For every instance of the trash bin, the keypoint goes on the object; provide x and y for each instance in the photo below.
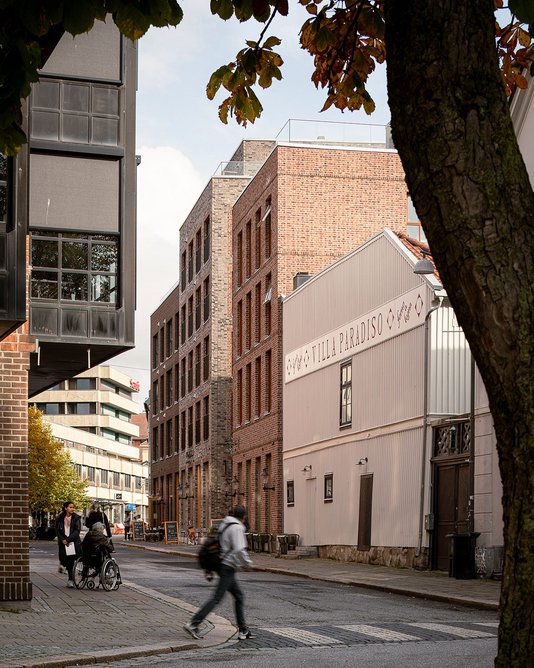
(463, 555)
(282, 541)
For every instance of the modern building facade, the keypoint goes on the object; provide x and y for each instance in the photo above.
(309, 204)
(73, 188)
(380, 463)
(191, 358)
(93, 415)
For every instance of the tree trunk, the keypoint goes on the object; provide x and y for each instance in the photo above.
(452, 128)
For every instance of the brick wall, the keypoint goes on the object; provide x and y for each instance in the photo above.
(324, 203)
(15, 585)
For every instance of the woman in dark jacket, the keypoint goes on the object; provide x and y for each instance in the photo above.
(68, 527)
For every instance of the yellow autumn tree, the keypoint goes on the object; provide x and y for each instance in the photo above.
(52, 476)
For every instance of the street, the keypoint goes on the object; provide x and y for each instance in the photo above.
(303, 622)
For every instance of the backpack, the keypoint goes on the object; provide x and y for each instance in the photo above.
(209, 554)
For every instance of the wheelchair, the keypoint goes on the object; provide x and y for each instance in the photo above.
(101, 565)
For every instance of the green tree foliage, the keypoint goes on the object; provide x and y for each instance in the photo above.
(52, 477)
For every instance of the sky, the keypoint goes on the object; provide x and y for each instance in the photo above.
(181, 140)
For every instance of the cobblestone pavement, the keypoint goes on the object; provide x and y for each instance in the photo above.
(76, 627)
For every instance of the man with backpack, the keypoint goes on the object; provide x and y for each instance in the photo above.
(233, 555)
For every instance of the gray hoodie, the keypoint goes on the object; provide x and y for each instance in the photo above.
(234, 544)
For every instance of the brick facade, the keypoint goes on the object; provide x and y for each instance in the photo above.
(15, 584)
(305, 208)
(191, 475)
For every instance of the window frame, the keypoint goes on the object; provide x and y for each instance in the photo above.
(345, 385)
(328, 488)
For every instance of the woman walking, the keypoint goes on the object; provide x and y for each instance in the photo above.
(68, 527)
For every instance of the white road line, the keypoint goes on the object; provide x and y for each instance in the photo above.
(305, 637)
(453, 630)
(494, 625)
(375, 632)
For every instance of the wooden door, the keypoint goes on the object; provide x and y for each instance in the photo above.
(451, 507)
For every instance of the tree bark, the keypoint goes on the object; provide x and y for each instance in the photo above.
(452, 127)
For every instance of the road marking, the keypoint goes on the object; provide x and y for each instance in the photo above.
(305, 637)
(453, 630)
(494, 625)
(383, 634)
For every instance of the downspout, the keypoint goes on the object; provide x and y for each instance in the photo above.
(425, 419)
(471, 523)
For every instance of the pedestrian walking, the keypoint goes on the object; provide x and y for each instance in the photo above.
(234, 556)
(127, 525)
(97, 515)
(68, 527)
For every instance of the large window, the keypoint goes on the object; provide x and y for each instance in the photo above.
(74, 267)
(345, 403)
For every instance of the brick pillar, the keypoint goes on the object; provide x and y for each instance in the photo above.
(15, 585)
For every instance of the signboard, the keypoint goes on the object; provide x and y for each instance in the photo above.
(383, 323)
(138, 532)
(171, 532)
(215, 523)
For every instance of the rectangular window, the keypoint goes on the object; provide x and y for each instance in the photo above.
(239, 259)
(91, 473)
(81, 384)
(183, 274)
(155, 351)
(198, 251)
(267, 228)
(155, 444)
(258, 309)
(162, 344)
(239, 329)
(127, 481)
(190, 262)
(206, 418)
(198, 364)
(258, 388)
(267, 304)
(248, 321)
(257, 239)
(116, 479)
(74, 267)
(207, 298)
(190, 427)
(103, 477)
(290, 492)
(206, 239)
(248, 249)
(206, 358)
(183, 430)
(239, 395)
(268, 372)
(170, 348)
(190, 372)
(345, 399)
(176, 331)
(169, 387)
(183, 321)
(198, 308)
(248, 397)
(197, 423)
(183, 377)
(190, 317)
(328, 487)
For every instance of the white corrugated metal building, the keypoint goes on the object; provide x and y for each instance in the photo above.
(372, 353)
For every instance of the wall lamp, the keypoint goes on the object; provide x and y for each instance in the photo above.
(363, 461)
(308, 467)
(424, 266)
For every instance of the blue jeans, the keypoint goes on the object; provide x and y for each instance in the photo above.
(227, 582)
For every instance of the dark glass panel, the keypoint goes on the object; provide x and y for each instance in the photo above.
(104, 257)
(44, 253)
(105, 101)
(45, 125)
(74, 255)
(3, 293)
(74, 235)
(73, 322)
(3, 248)
(104, 237)
(44, 285)
(75, 129)
(45, 94)
(74, 287)
(104, 289)
(75, 97)
(3, 167)
(105, 131)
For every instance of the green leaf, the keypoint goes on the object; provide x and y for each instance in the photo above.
(78, 17)
(222, 8)
(271, 41)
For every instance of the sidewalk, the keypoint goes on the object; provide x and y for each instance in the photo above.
(68, 627)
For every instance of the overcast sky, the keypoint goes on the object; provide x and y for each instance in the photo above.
(181, 140)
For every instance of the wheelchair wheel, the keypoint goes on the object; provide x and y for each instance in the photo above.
(109, 574)
(119, 579)
(79, 574)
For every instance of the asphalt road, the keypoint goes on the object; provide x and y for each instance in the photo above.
(308, 623)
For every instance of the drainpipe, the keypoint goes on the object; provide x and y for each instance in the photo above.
(425, 419)
(471, 524)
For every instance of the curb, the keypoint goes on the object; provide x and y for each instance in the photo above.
(390, 589)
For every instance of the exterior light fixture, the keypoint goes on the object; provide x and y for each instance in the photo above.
(363, 461)
(424, 266)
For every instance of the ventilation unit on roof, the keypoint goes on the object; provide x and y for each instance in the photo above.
(300, 278)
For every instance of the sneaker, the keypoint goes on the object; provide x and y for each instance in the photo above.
(192, 630)
(246, 635)
(61, 569)
(70, 584)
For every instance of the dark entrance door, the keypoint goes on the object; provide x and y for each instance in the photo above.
(451, 507)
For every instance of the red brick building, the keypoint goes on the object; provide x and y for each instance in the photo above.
(191, 395)
(308, 205)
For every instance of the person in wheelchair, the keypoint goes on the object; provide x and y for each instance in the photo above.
(96, 546)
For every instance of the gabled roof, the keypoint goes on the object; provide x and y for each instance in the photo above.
(420, 249)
